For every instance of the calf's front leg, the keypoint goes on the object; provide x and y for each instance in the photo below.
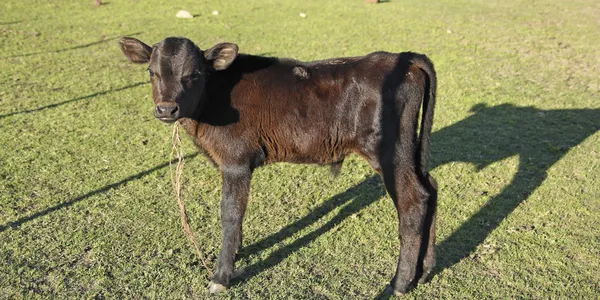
(236, 186)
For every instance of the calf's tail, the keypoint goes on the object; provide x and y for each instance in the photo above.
(425, 64)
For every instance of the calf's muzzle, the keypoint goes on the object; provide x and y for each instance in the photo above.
(167, 111)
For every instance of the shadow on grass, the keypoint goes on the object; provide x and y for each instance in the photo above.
(359, 196)
(538, 137)
(104, 40)
(27, 111)
(106, 188)
(11, 22)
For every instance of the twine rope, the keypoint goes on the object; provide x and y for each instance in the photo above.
(176, 183)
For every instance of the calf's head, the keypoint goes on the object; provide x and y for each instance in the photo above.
(178, 70)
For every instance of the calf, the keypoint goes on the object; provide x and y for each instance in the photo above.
(246, 111)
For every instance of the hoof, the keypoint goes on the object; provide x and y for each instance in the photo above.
(390, 290)
(215, 288)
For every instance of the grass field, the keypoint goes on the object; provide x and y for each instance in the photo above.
(86, 206)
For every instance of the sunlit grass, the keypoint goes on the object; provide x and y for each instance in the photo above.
(86, 206)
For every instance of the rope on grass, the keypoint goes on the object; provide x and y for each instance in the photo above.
(176, 183)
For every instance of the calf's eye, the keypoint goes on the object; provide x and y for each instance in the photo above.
(196, 75)
(192, 77)
(150, 72)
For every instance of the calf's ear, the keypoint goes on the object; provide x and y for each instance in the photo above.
(135, 50)
(221, 55)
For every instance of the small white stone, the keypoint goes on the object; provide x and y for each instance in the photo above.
(215, 13)
(184, 14)
(303, 15)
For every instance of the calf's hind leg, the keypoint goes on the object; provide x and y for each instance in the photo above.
(410, 198)
(428, 244)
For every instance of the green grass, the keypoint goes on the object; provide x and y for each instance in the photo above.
(87, 210)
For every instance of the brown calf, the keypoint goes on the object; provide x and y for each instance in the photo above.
(245, 111)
